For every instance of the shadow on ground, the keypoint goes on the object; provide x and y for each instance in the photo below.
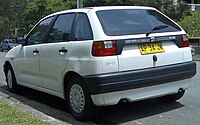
(120, 113)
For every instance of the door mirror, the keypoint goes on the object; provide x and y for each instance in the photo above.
(25, 36)
(21, 39)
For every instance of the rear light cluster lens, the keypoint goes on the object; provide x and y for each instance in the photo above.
(104, 48)
(185, 41)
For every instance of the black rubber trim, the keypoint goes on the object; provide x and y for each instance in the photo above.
(176, 38)
(120, 46)
(104, 83)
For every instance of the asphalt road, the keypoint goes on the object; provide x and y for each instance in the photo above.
(2, 78)
(186, 111)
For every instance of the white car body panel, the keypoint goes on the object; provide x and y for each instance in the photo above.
(131, 58)
(52, 64)
(26, 65)
(82, 62)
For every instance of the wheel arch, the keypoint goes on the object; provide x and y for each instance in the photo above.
(66, 78)
(88, 109)
(5, 66)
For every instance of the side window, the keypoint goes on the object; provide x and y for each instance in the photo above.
(83, 30)
(61, 30)
(37, 34)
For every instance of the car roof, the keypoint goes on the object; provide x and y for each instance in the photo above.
(87, 9)
(8, 39)
(120, 7)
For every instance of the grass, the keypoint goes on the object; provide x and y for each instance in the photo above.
(13, 116)
(196, 56)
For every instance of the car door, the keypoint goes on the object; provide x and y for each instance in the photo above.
(2, 44)
(54, 54)
(27, 66)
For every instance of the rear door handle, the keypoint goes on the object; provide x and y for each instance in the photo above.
(35, 52)
(63, 50)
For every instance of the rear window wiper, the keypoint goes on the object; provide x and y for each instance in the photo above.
(159, 27)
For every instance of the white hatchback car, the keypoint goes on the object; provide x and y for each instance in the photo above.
(101, 56)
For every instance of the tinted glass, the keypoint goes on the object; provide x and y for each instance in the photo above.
(133, 21)
(37, 35)
(12, 41)
(83, 30)
(61, 30)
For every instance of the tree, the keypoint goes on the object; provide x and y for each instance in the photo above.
(154, 3)
(38, 9)
(191, 24)
(8, 14)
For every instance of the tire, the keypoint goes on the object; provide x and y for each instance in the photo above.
(79, 100)
(9, 48)
(172, 98)
(11, 80)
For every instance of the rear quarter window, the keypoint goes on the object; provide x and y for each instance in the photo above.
(133, 21)
(83, 30)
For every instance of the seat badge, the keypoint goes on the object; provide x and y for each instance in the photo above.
(152, 39)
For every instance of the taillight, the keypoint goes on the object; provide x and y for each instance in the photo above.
(104, 48)
(185, 41)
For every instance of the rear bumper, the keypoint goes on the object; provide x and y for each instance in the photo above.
(121, 81)
(133, 95)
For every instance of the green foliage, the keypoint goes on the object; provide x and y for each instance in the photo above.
(12, 116)
(37, 9)
(191, 24)
(196, 57)
(154, 3)
(8, 14)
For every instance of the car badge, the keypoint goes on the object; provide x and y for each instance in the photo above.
(152, 39)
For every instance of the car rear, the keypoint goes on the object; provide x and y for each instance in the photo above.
(151, 51)
(164, 43)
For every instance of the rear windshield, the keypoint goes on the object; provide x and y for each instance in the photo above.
(133, 21)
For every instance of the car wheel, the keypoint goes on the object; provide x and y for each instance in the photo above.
(79, 100)
(11, 80)
(172, 98)
(9, 48)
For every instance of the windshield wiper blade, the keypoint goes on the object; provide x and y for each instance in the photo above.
(159, 27)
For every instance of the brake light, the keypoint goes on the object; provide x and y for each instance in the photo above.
(104, 48)
(185, 41)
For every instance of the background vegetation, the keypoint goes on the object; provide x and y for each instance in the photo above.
(17, 17)
(191, 24)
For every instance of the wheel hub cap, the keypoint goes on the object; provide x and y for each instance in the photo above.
(9, 79)
(77, 98)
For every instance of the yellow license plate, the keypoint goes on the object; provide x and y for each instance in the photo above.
(150, 48)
